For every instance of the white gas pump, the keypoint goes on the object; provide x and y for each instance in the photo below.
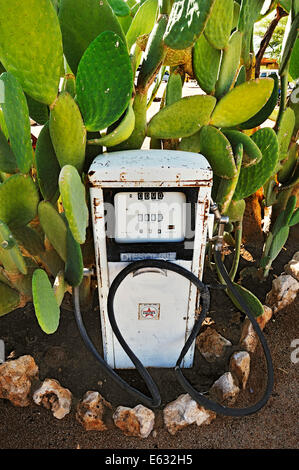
(150, 205)
(151, 216)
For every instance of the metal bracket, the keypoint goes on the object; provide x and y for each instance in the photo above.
(222, 220)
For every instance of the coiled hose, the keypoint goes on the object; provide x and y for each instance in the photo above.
(155, 399)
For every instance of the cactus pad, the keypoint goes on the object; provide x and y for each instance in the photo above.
(54, 227)
(252, 153)
(81, 22)
(229, 64)
(45, 304)
(73, 197)
(242, 102)
(219, 25)
(8, 163)
(218, 151)
(187, 21)
(182, 118)
(255, 176)
(67, 131)
(143, 21)
(34, 25)
(104, 96)
(18, 200)
(16, 115)
(9, 299)
(206, 62)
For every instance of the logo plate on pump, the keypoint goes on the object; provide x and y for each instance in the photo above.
(148, 311)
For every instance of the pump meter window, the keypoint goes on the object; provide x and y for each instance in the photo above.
(150, 216)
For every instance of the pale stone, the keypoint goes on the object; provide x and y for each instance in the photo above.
(136, 422)
(296, 256)
(249, 338)
(265, 317)
(225, 390)
(54, 397)
(283, 293)
(211, 344)
(185, 411)
(292, 268)
(239, 366)
(16, 380)
(92, 410)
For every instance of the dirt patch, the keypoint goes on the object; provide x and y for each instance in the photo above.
(64, 357)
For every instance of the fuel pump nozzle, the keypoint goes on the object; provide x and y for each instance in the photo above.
(221, 220)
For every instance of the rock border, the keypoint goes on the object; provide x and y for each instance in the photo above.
(93, 412)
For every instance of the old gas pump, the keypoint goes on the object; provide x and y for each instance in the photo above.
(152, 214)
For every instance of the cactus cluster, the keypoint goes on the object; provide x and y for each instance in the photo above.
(70, 65)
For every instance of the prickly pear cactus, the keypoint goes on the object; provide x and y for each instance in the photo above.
(78, 80)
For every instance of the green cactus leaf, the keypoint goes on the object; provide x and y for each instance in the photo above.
(81, 22)
(225, 188)
(252, 153)
(249, 13)
(9, 299)
(294, 63)
(187, 21)
(236, 15)
(182, 118)
(289, 209)
(54, 227)
(241, 78)
(46, 308)
(254, 177)
(39, 112)
(278, 242)
(120, 133)
(18, 200)
(285, 131)
(154, 54)
(242, 102)
(10, 255)
(289, 164)
(295, 218)
(33, 23)
(206, 63)
(191, 143)
(59, 287)
(16, 115)
(174, 89)
(229, 64)
(218, 151)
(220, 23)
(251, 300)
(104, 96)
(236, 210)
(74, 263)
(47, 165)
(8, 163)
(120, 7)
(143, 21)
(73, 198)
(29, 239)
(266, 110)
(67, 131)
(289, 46)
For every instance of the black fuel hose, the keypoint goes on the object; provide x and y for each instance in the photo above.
(155, 399)
(205, 303)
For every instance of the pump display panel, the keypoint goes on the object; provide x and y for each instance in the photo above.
(150, 216)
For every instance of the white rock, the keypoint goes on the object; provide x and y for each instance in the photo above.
(211, 344)
(283, 293)
(225, 389)
(240, 367)
(92, 411)
(292, 268)
(136, 422)
(55, 397)
(185, 411)
(16, 380)
(249, 338)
